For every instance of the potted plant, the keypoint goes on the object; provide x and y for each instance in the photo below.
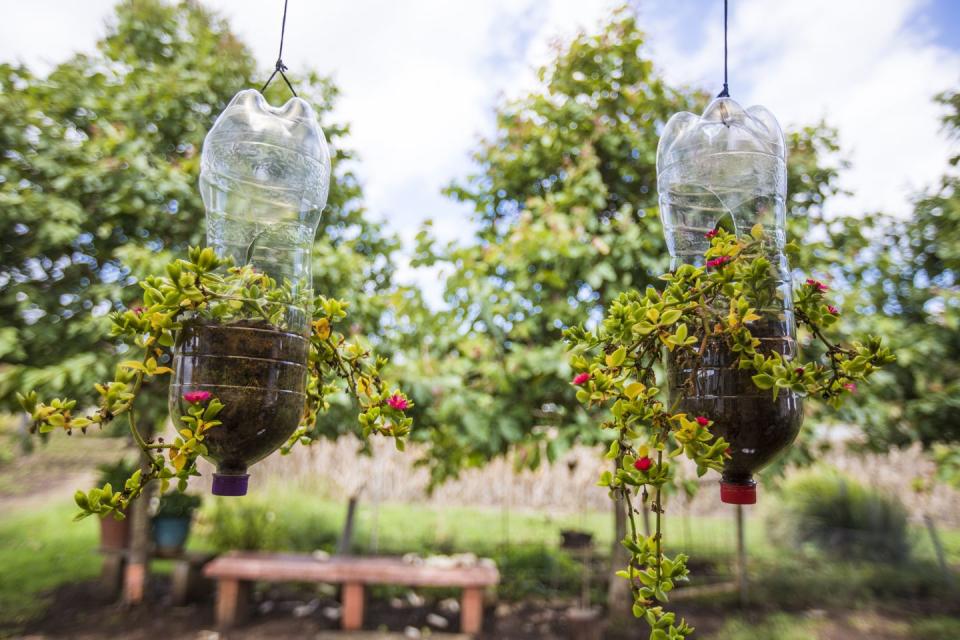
(115, 531)
(170, 524)
(252, 352)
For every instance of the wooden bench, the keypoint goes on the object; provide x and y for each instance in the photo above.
(236, 571)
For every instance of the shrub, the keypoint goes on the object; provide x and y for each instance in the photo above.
(842, 518)
(537, 571)
(116, 473)
(246, 525)
(177, 505)
(258, 525)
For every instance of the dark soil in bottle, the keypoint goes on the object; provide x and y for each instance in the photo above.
(757, 427)
(257, 371)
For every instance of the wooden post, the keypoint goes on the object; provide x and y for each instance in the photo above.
(138, 561)
(346, 536)
(741, 558)
(111, 575)
(233, 602)
(619, 596)
(471, 610)
(353, 596)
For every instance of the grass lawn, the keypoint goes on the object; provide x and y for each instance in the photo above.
(39, 550)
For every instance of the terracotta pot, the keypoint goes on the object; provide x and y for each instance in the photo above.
(114, 534)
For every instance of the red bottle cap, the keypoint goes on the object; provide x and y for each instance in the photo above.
(738, 493)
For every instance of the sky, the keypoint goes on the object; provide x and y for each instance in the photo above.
(421, 79)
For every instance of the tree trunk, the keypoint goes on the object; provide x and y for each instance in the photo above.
(138, 560)
(619, 597)
(346, 536)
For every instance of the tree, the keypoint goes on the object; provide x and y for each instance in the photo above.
(566, 205)
(98, 185)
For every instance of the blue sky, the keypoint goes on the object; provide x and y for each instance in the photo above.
(421, 78)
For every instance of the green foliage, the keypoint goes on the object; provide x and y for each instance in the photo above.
(116, 473)
(207, 287)
(177, 505)
(842, 518)
(98, 185)
(566, 208)
(252, 525)
(619, 363)
(537, 571)
(792, 583)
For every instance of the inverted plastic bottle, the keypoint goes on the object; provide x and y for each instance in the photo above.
(727, 168)
(264, 179)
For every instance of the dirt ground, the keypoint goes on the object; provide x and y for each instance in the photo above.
(294, 613)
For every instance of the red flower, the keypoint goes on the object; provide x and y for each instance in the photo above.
(398, 402)
(727, 452)
(799, 371)
(702, 421)
(194, 397)
(719, 262)
(710, 234)
(851, 387)
(581, 378)
(816, 284)
(643, 464)
(138, 310)
(832, 309)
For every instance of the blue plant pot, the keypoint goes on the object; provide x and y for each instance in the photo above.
(170, 533)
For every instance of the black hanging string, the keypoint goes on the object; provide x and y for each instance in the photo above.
(280, 67)
(726, 90)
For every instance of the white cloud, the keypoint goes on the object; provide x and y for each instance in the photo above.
(870, 73)
(421, 79)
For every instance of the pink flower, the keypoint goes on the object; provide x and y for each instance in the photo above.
(719, 262)
(398, 402)
(710, 234)
(643, 464)
(832, 309)
(194, 397)
(138, 310)
(816, 284)
(581, 378)
(851, 387)
(702, 421)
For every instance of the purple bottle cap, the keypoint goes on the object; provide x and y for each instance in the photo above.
(230, 485)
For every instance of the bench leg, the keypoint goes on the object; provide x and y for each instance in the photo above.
(233, 602)
(471, 611)
(353, 595)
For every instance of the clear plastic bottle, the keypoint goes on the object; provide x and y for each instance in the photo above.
(265, 175)
(727, 168)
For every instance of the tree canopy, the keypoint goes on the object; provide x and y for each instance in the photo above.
(98, 185)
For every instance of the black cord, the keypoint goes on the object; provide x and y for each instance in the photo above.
(280, 67)
(726, 90)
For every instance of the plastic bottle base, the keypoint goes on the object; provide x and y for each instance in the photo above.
(738, 493)
(224, 485)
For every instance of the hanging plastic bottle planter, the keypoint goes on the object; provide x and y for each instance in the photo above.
(265, 175)
(727, 169)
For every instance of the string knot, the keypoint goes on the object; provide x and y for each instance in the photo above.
(725, 93)
(280, 66)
